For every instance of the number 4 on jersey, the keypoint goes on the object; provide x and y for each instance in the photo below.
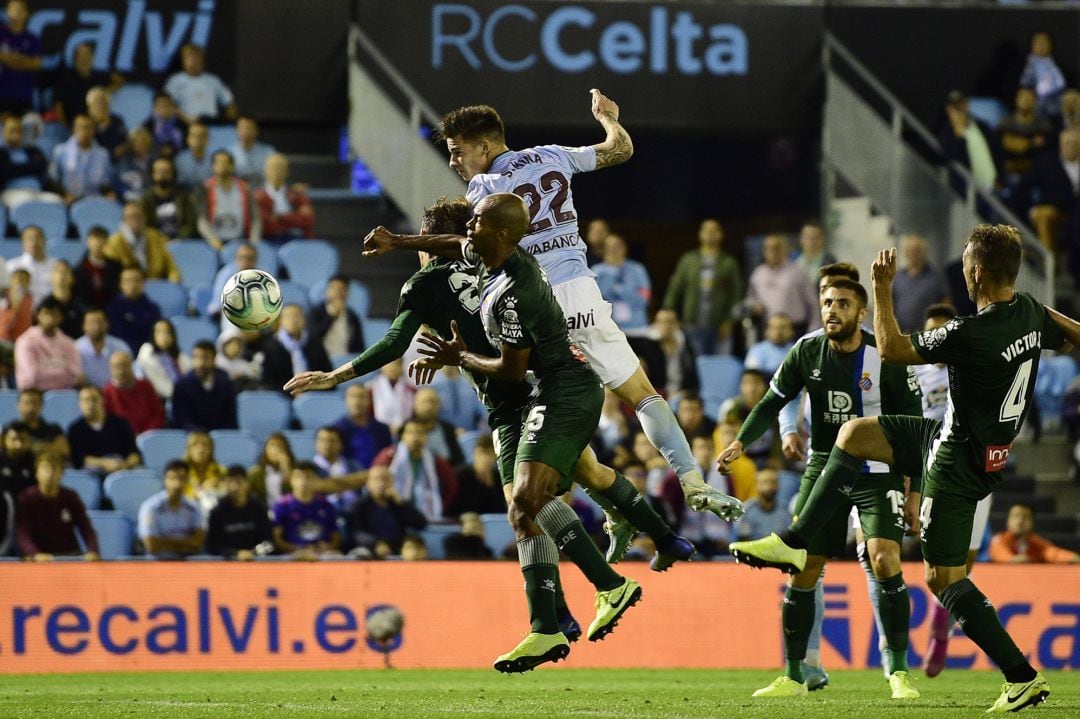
(1012, 408)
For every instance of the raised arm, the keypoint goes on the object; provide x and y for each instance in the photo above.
(617, 146)
(1069, 326)
(892, 345)
(381, 240)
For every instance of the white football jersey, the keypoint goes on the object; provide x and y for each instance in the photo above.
(541, 177)
(934, 381)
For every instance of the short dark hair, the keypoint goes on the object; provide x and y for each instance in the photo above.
(236, 470)
(997, 249)
(471, 123)
(839, 269)
(177, 465)
(941, 309)
(250, 118)
(205, 345)
(94, 311)
(306, 466)
(51, 304)
(330, 428)
(815, 224)
(412, 420)
(338, 278)
(161, 95)
(226, 153)
(98, 231)
(1024, 505)
(31, 390)
(447, 216)
(756, 373)
(843, 283)
(691, 397)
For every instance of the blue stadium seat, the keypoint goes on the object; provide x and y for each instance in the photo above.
(61, 406)
(266, 253)
(9, 406)
(170, 296)
(115, 533)
(52, 134)
(3, 219)
(374, 329)
(160, 446)
(234, 446)
(199, 299)
(301, 442)
(719, 377)
(1055, 374)
(988, 109)
(190, 330)
(10, 248)
(295, 293)
(433, 537)
(51, 217)
(66, 250)
(221, 137)
(498, 534)
(129, 488)
(91, 211)
(467, 442)
(133, 102)
(198, 262)
(261, 412)
(359, 300)
(316, 409)
(85, 484)
(309, 261)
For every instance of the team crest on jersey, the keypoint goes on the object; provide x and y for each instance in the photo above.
(865, 383)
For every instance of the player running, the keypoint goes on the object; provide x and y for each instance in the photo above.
(844, 377)
(475, 139)
(993, 358)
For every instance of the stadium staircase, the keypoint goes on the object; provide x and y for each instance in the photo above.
(1043, 480)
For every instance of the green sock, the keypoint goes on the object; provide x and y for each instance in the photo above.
(895, 609)
(561, 524)
(797, 616)
(637, 509)
(539, 563)
(977, 617)
(827, 494)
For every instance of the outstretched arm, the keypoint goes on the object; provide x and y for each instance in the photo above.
(381, 240)
(1069, 326)
(892, 345)
(617, 146)
(510, 366)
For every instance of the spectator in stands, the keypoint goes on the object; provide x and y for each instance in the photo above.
(969, 141)
(135, 244)
(165, 125)
(131, 397)
(23, 169)
(229, 211)
(468, 543)
(246, 258)
(764, 514)
(270, 474)
(35, 261)
(692, 419)
(413, 549)
(160, 360)
(704, 290)
(1042, 73)
(44, 436)
(362, 435)
(171, 525)
(442, 436)
(249, 154)
(16, 474)
(1019, 543)
(204, 397)
(752, 387)
(380, 519)
(286, 210)
(45, 357)
(391, 396)
(100, 441)
(16, 308)
(1054, 188)
(200, 95)
(626, 285)
(72, 83)
(244, 373)
(768, 354)
(239, 526)
(291, 350)
(779, 286)
(97, 276)
(1022, 134)
(80, 166)
(812, 254)
(49, 515)
(479, 487)
(612, 431)
(169, 208)
(133, 169)
(131, 313)
(333, 323)
(708, 532)
(20, 61)
(650, 458)
(638, 475)
(420, 476)
(595, 235)
(305, 524)
(109, 129)
(195, 165)
(1070, 110)
(458, 403)
(918, 286)
(96, 348)
(743, 475)
(668, 357)
(72, 308)
(204, 471)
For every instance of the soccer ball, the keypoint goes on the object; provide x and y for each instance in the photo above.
(251, 299)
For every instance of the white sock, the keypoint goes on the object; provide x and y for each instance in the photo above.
(660, 426)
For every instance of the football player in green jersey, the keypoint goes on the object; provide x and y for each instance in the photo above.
(993, 358)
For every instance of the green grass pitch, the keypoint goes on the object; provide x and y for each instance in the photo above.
(547, 693)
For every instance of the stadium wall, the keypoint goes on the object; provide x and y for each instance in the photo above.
(142, 616)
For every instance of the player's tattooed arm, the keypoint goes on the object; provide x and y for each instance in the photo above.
(617, 146)
(1069, 326)
(381, 240)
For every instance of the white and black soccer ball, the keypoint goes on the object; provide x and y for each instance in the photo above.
(384, 624)
(251, 299)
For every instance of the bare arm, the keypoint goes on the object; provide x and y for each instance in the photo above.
(381, 240)
(892, 345)
(510, 366)
(1068, 325)
(617, 146)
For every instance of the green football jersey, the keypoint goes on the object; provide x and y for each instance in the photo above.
(448, 290)
(993, 359)
(843, 386)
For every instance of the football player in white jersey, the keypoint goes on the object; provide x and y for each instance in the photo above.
(476, 141)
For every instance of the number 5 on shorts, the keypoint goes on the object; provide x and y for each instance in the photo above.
(535, 420)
